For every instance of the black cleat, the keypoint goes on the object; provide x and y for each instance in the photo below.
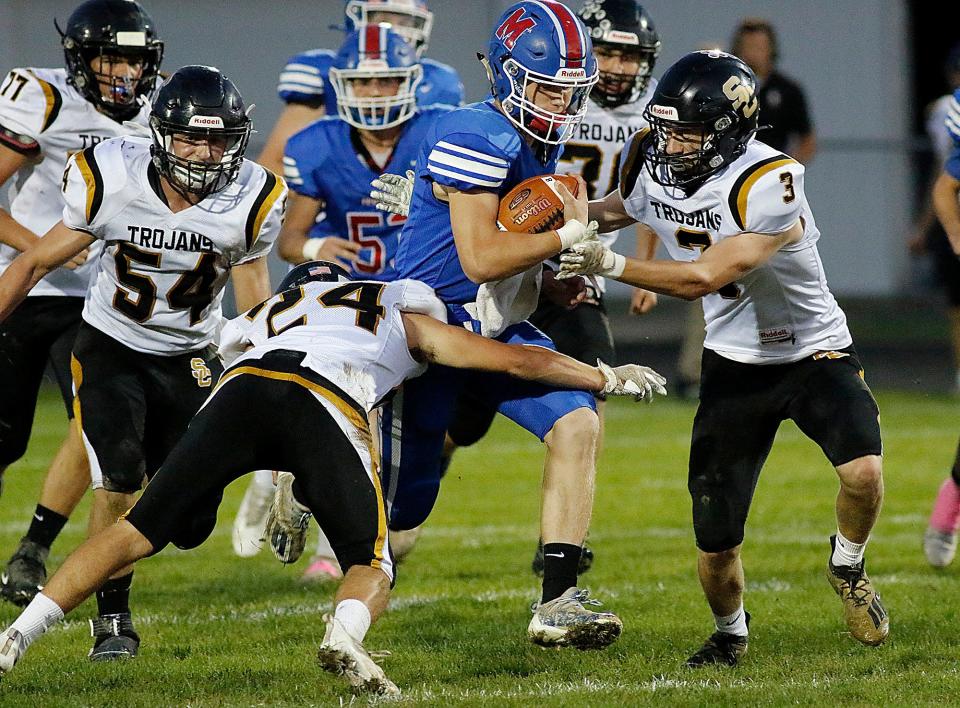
(113, 637)
(720, 648)
(25, 573)
(586, 560)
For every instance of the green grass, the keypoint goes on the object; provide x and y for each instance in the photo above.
(218, 630)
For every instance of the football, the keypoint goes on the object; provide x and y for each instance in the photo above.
(535, 205)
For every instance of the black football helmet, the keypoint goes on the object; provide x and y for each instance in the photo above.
(199, 102)
(626, 26)
(708, 97)
(314, 272)
(106, 29)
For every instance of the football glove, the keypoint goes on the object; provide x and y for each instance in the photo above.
(591, 257)
(393, 192)
(641, 382)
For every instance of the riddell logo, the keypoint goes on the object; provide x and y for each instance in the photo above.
(514, 26)
(205, 122)
(571, 74)
(664, 111)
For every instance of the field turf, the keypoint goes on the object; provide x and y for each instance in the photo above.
(222, 631)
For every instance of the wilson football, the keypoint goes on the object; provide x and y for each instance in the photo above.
(535, 205)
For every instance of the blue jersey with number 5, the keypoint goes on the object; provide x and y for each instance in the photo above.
(326, 161)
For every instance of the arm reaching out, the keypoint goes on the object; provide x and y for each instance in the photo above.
(433, 341)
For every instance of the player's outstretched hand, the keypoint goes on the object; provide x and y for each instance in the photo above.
(641, 382)
(642, 301)
(393, 192)
(78, 260)
(590, 257)
(330, 248)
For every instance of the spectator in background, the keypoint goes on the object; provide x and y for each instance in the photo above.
(928, 235)
(783, 105)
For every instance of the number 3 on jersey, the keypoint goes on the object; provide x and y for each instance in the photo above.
(361, 221)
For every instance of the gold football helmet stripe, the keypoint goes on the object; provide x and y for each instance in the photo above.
(746, 181)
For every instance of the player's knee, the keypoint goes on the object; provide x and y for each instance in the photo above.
(125, 471)
(718, 519)
(12, 448)
(717, 561)
(863, 476)
(576, 430)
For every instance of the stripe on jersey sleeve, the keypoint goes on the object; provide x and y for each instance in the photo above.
(269, 193)
(470, 166)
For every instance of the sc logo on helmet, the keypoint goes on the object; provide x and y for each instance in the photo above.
(741, 95)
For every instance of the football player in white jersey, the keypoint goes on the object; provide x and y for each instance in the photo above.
(112, 57)
(325, 351)
(177, 215)
(732, 212)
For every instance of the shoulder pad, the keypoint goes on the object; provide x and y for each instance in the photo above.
(29, 104)
(304, 77)
(952, 118)
(767, 195)
(472, 150)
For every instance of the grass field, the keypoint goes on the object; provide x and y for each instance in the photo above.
(219, 631)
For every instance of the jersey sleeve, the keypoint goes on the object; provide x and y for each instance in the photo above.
(265, 219)
(28, 106)
(952, 119)
(768, 196)
(468, 161)
(304, 78)
(234, 338)
(631, 187)
(419, 298)
(83, 191)
(302, 159)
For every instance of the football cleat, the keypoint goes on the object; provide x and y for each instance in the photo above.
(565, 621)
(251, 519)
(113, 637)
(863, 612)
(12, 647)
(25, 573)
(720, 648)
(322, 570)
(940, 547)
(341, 654)
(586, 560)
(287, 522)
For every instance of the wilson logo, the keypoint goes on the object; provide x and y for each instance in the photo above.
(514, 26)
(533, 209)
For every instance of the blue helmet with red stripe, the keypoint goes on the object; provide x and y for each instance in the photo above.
(410, 18)
(541, 68)
(375, 76)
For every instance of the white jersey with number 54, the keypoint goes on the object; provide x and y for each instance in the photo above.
(781, 311)
(159, 282)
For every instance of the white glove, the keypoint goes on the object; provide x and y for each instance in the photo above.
(641, 382)
(574, 232)
(591, 257)
(393, 192)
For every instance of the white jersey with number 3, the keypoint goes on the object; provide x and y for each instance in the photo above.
(159, 283)
(46, 118)
(351, 333)
(781, 311)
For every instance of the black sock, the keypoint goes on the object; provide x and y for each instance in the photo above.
(560, 563)
(46, 526)
(113, 597)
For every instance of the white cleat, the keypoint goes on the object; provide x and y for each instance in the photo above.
(12, 647)
(940, 547)
(343, 655)
(565, 622)
(287, 521)
(251, 519)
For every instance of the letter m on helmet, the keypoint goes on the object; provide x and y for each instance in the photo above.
(514, 26)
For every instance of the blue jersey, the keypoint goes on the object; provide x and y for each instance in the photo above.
(305, 79)
(474, 147)
(952, 122)
(326, 161)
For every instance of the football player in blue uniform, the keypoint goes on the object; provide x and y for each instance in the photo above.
(305, 85)
(541, 69)
(328, 166)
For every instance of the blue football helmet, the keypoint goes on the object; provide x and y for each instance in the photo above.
(410, 18)
(541, 43)
(375, 52)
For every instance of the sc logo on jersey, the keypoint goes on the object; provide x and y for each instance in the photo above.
(741, 95)
(201, 372)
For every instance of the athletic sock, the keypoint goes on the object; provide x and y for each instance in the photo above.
(113, 597)
(560, 563)
(263, 479)
(735, 623)
(945, 516)
(846, 552)
(45, 526)
(354, 616)
(41, 614)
